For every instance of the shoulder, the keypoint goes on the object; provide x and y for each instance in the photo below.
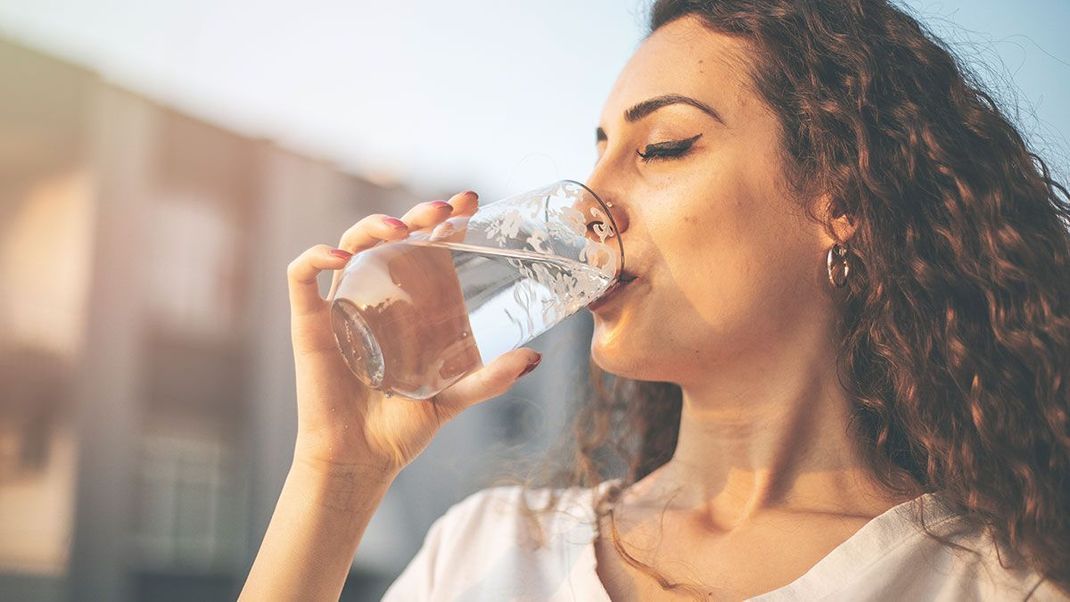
(919, 550)
(988, 570)
(968, 564)
(497, 544)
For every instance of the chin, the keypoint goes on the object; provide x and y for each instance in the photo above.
(614, 351)
(639, 354)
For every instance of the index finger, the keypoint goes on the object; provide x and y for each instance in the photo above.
(465, 205)
(301, 275)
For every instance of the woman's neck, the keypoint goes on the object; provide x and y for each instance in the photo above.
(768, 440)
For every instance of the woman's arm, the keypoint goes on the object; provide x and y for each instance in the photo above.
(314, 533)
(352, 441)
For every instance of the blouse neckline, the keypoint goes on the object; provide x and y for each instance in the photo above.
(874, 540)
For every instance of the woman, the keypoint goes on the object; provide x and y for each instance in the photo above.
(845, 361)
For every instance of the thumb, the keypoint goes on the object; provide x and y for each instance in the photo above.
(489, 381)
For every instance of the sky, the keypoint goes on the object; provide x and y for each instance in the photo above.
(495, 96)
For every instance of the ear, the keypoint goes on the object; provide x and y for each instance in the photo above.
(841, 225)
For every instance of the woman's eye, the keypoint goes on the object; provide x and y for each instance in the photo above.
(667, 150)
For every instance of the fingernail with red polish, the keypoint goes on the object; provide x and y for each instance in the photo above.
(440, 204)
(531, 366)
(339, 253)
(395, 222)
(471, 192)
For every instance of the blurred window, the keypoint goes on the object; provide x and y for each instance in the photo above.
(191, 267)
(180, 503)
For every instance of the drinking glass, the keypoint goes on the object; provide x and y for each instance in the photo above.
(413, 316)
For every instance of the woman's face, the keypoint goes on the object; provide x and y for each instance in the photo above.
(728, 265)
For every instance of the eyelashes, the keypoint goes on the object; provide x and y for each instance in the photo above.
(673, 149)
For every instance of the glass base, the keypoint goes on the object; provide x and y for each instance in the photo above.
(357, 343)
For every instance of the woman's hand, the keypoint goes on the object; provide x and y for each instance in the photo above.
(343, 424)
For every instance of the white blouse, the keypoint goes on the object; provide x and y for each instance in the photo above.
(480, 550)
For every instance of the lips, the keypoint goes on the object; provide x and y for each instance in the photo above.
(621, 283)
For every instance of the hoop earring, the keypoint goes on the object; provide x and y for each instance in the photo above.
(838, 279)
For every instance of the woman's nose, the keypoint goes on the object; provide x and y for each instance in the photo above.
(611, 208)
(604, 222)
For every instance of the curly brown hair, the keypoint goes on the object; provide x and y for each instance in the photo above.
(955, 324)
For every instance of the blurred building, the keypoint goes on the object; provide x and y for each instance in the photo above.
(147, 415)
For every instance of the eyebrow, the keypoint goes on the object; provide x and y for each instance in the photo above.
(650, 105)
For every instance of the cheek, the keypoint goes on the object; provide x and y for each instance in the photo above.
(729, 279)
(735, 258)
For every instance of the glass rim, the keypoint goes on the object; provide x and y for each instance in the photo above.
(613, 222)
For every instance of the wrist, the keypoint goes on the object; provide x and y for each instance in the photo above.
(322, 455)
(346, 488)
(325, 467)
